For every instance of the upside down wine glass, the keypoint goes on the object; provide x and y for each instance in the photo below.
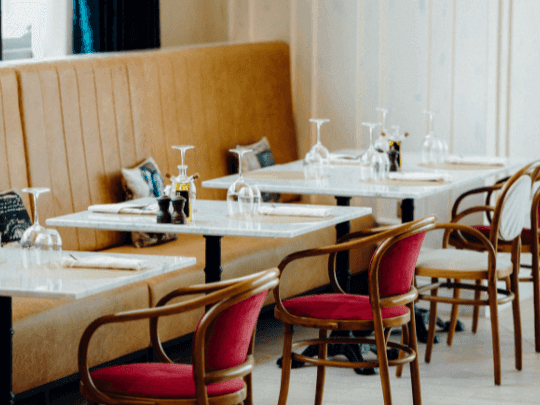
(40, 245)
(242, 199)
(381, 143)
(374, 164)
(434, 150)
(318, 156)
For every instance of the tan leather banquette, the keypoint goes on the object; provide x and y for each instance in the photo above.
(72, 124)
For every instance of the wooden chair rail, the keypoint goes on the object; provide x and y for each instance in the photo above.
(479, 190)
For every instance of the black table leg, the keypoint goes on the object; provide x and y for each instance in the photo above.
(212, 268)
(6, 354)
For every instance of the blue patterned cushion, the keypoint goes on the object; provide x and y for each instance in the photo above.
(145, 180)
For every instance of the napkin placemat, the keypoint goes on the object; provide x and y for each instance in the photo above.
(295, 210)
(104, 262)
(275, 175)
(461, 166)
(405, 183)
(278, 219)
(128, 208)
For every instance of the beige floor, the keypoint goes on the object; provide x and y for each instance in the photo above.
(458, 374)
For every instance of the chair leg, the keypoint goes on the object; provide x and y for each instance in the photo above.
(286, 365)
(404, 341)
(321, 369)
(432, 321)
(249, 385)
(414, 365)
(493, 307)
(518, 344)
(536, 299)
(453, 318)
(383, 360)
(476, 309)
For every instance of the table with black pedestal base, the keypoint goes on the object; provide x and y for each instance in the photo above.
(60, 283)
(344, 181)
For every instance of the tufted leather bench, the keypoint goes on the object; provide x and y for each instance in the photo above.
(72, 124)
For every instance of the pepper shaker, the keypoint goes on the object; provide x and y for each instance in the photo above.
(164, 216)
(178, 215)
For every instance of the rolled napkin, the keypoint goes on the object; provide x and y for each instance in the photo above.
(476, 160)
(104, 262)
(127, 207)
(419, 176)
(297, 211)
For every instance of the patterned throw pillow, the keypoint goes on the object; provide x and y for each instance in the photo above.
(145, 180)
(14, 218)
(261, 156)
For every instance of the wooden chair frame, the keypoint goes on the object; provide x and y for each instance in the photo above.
(460, 242)
(220, 296)
(387, 237)
(491, 246)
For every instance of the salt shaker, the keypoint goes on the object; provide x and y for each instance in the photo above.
(178, 215)
(164, 216)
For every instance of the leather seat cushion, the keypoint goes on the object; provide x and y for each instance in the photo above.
(339, 306)
(158, 380)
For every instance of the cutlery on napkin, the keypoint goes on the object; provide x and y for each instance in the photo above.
(419, 176)
(126, 208)
(296, 211)
(104, 262)
(476, 160)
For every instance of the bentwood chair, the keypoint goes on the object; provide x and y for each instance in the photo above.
(222, 350)
(529, 244)
(390, 304)
(483, 266)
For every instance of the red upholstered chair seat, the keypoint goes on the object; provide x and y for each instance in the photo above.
(158, 380)
(338, 306)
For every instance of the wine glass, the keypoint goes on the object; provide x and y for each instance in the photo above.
(37, 242)
(318, 156)
(434, 150)
(238, 198)
(375, 164)
(257, 198)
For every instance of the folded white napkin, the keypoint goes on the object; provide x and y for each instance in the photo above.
(476, 160)
(127, 207)
(104, 262)
(344, 158)
(419, 176)
(293, 210)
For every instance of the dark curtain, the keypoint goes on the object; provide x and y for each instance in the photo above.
(115, 25)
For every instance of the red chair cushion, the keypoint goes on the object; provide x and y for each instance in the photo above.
(396, 269)
(338, 306)
(159, 380)
(231, 333)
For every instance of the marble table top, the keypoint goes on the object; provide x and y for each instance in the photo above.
(211, 218)
(75, 283)
(346, 180)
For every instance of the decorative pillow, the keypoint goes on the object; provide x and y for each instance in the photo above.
(142, 181)
(261, 156)
(14, 218)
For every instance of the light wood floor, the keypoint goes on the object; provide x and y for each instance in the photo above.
(460, 374)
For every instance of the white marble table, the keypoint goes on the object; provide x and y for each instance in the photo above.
(344, 181)
(212, 221)
(61, 283)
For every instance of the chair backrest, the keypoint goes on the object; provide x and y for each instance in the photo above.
(512, 206)
(393, 263)
(225, 332)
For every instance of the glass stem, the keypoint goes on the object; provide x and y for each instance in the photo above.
(318, 133)
(370, 137)
(240, 156)
(36, 219)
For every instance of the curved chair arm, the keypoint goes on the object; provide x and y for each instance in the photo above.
(489, 190)
(228, 288)
(473, 210)
(366, 232)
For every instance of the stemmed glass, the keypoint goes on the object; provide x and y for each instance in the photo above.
(381, 144)
(434, 150)
(318, 156)
(375, 163)
(40, 245)
(240, 193)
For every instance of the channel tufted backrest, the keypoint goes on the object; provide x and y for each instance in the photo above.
(12, 155)
(86, 117)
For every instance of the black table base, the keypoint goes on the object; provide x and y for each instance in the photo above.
(6, 354)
